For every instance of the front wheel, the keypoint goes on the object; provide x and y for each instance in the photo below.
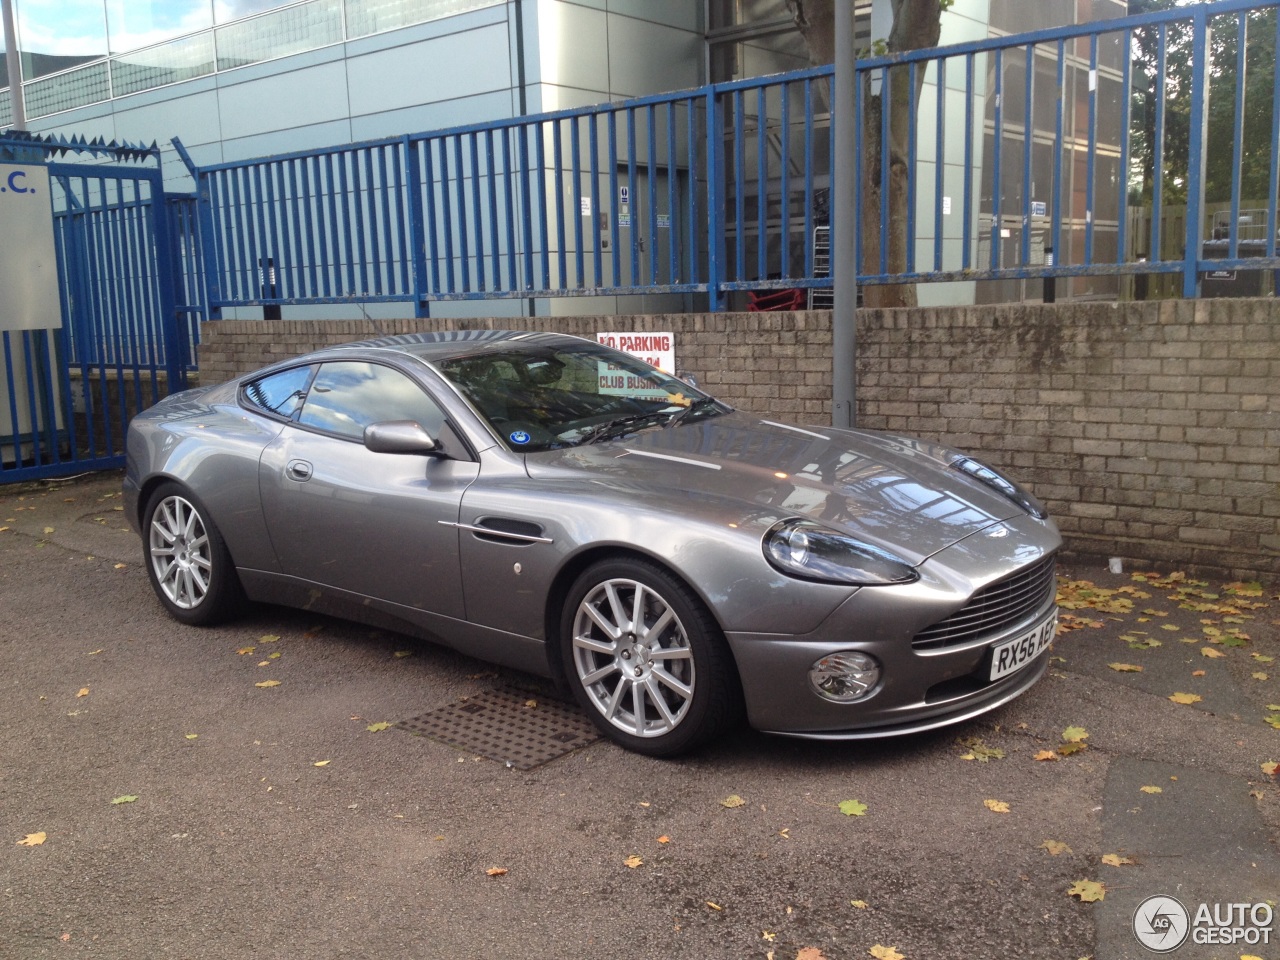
(646, 659)
(187, 560)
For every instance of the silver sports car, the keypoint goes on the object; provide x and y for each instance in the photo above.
(545, 502)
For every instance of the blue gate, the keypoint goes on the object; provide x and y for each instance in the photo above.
(67, 391)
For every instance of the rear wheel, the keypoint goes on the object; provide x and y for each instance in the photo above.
(646, 658)
(187, 560)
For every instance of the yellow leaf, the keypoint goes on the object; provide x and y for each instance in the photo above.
(268, 683)
(996, 806)
(1249, 956)
(1197, 673)
(84, 692)
(268, 638)
(713, 906)
(120, 566)
(401, 654)
(1258, 675)
(244, 650)
(1125, 667)
(1067, 749)
(48, 529)
(1186, 698)
(1271, 769)
(664, 839)
(322, 763)
(1211, 653)
(766, 935)
(1075, 734)
(193, 736)
(1115, 860)
(265, 663)
(378, 727)
(531, 704)
(1055, 847)
(732, 801)
(633, 861)
(1045, 755)
(496, 871)
(1089, 891)
(810, 953)
(885, 953)
(860, 904)
(33, 839)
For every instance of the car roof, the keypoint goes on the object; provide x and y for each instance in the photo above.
(450, 344)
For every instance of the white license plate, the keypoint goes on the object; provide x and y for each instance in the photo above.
(1017, 653)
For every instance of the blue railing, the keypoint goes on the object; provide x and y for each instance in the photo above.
(1056, 154)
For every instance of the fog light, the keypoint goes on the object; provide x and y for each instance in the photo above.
(845, 677)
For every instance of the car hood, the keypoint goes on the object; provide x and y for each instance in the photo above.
(888, 491)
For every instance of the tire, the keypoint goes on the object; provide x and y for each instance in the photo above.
(187, 560)
(662, 690)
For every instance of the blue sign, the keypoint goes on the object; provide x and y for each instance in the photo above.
(520, 437)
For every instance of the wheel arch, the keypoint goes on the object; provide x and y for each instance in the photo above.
(573, 568)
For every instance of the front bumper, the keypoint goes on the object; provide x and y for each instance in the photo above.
(918, 689)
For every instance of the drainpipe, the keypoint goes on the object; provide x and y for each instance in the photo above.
(844, 226)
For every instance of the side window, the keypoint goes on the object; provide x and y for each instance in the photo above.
(280, 393)
(348, 395)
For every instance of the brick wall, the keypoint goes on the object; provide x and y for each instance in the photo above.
(1151, 430)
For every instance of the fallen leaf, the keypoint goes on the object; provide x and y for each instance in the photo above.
(1089, 891)
(322, 763)
(273, 656)
(265, 663)
(977, 750)
(713, 906)
(1067, 749)
(268, 638)
(193, 736)
(268, 683)
(1045, 755)
(1197, 673)
(885, 953)
(766, 935)
(401, 654)
(664, 839)
(33, 839)
(1259, 675)
(496, 871)
(48, 529)
(860, 904)
(1075, 734)
(244, 650)
(996, 806)
(810, 953)
(531, 704)
(128, 798)
(1186, 698)
(120, 566)
(84, 692)
(853, 808)
(633, 862)
(1151, 789)
(1211, 653)
(1271, 769)
(1055, 847)
(1125, 667)
(378, 727)
(1115, 860)
(732, 801)
(1262, 658)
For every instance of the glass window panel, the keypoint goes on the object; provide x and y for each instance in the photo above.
(280, 393)
(228, 11)
(133, 24)
(373, 16)
(294, 29)
(56, 35)
(66, 91)
(172, 62)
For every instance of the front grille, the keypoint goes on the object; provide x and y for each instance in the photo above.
(993, 609)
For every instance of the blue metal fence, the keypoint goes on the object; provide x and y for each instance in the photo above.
(1055, 154)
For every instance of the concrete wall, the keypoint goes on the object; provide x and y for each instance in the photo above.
(1151, 430)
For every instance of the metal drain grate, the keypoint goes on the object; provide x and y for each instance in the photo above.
(501, 725)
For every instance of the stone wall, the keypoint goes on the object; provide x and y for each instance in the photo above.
(1151, 430)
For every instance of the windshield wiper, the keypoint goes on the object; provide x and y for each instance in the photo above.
(621, 426)
(695, 408)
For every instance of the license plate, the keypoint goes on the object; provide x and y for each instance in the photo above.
(1017, 653)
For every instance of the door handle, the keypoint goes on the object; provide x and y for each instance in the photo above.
(298, 470)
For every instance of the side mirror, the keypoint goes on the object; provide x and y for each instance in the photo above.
(399, 436)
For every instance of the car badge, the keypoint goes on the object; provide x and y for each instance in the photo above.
(520, 437)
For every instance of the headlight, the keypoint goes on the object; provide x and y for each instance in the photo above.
(806, 549)
(1001, 485)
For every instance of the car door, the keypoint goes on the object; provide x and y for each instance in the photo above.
(368, 523)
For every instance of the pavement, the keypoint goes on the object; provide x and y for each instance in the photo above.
(156, 801)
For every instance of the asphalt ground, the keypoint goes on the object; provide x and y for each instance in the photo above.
(156, 802)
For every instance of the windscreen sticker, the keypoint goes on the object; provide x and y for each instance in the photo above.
(519, 436)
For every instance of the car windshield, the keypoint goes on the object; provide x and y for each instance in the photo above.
(541, 398)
